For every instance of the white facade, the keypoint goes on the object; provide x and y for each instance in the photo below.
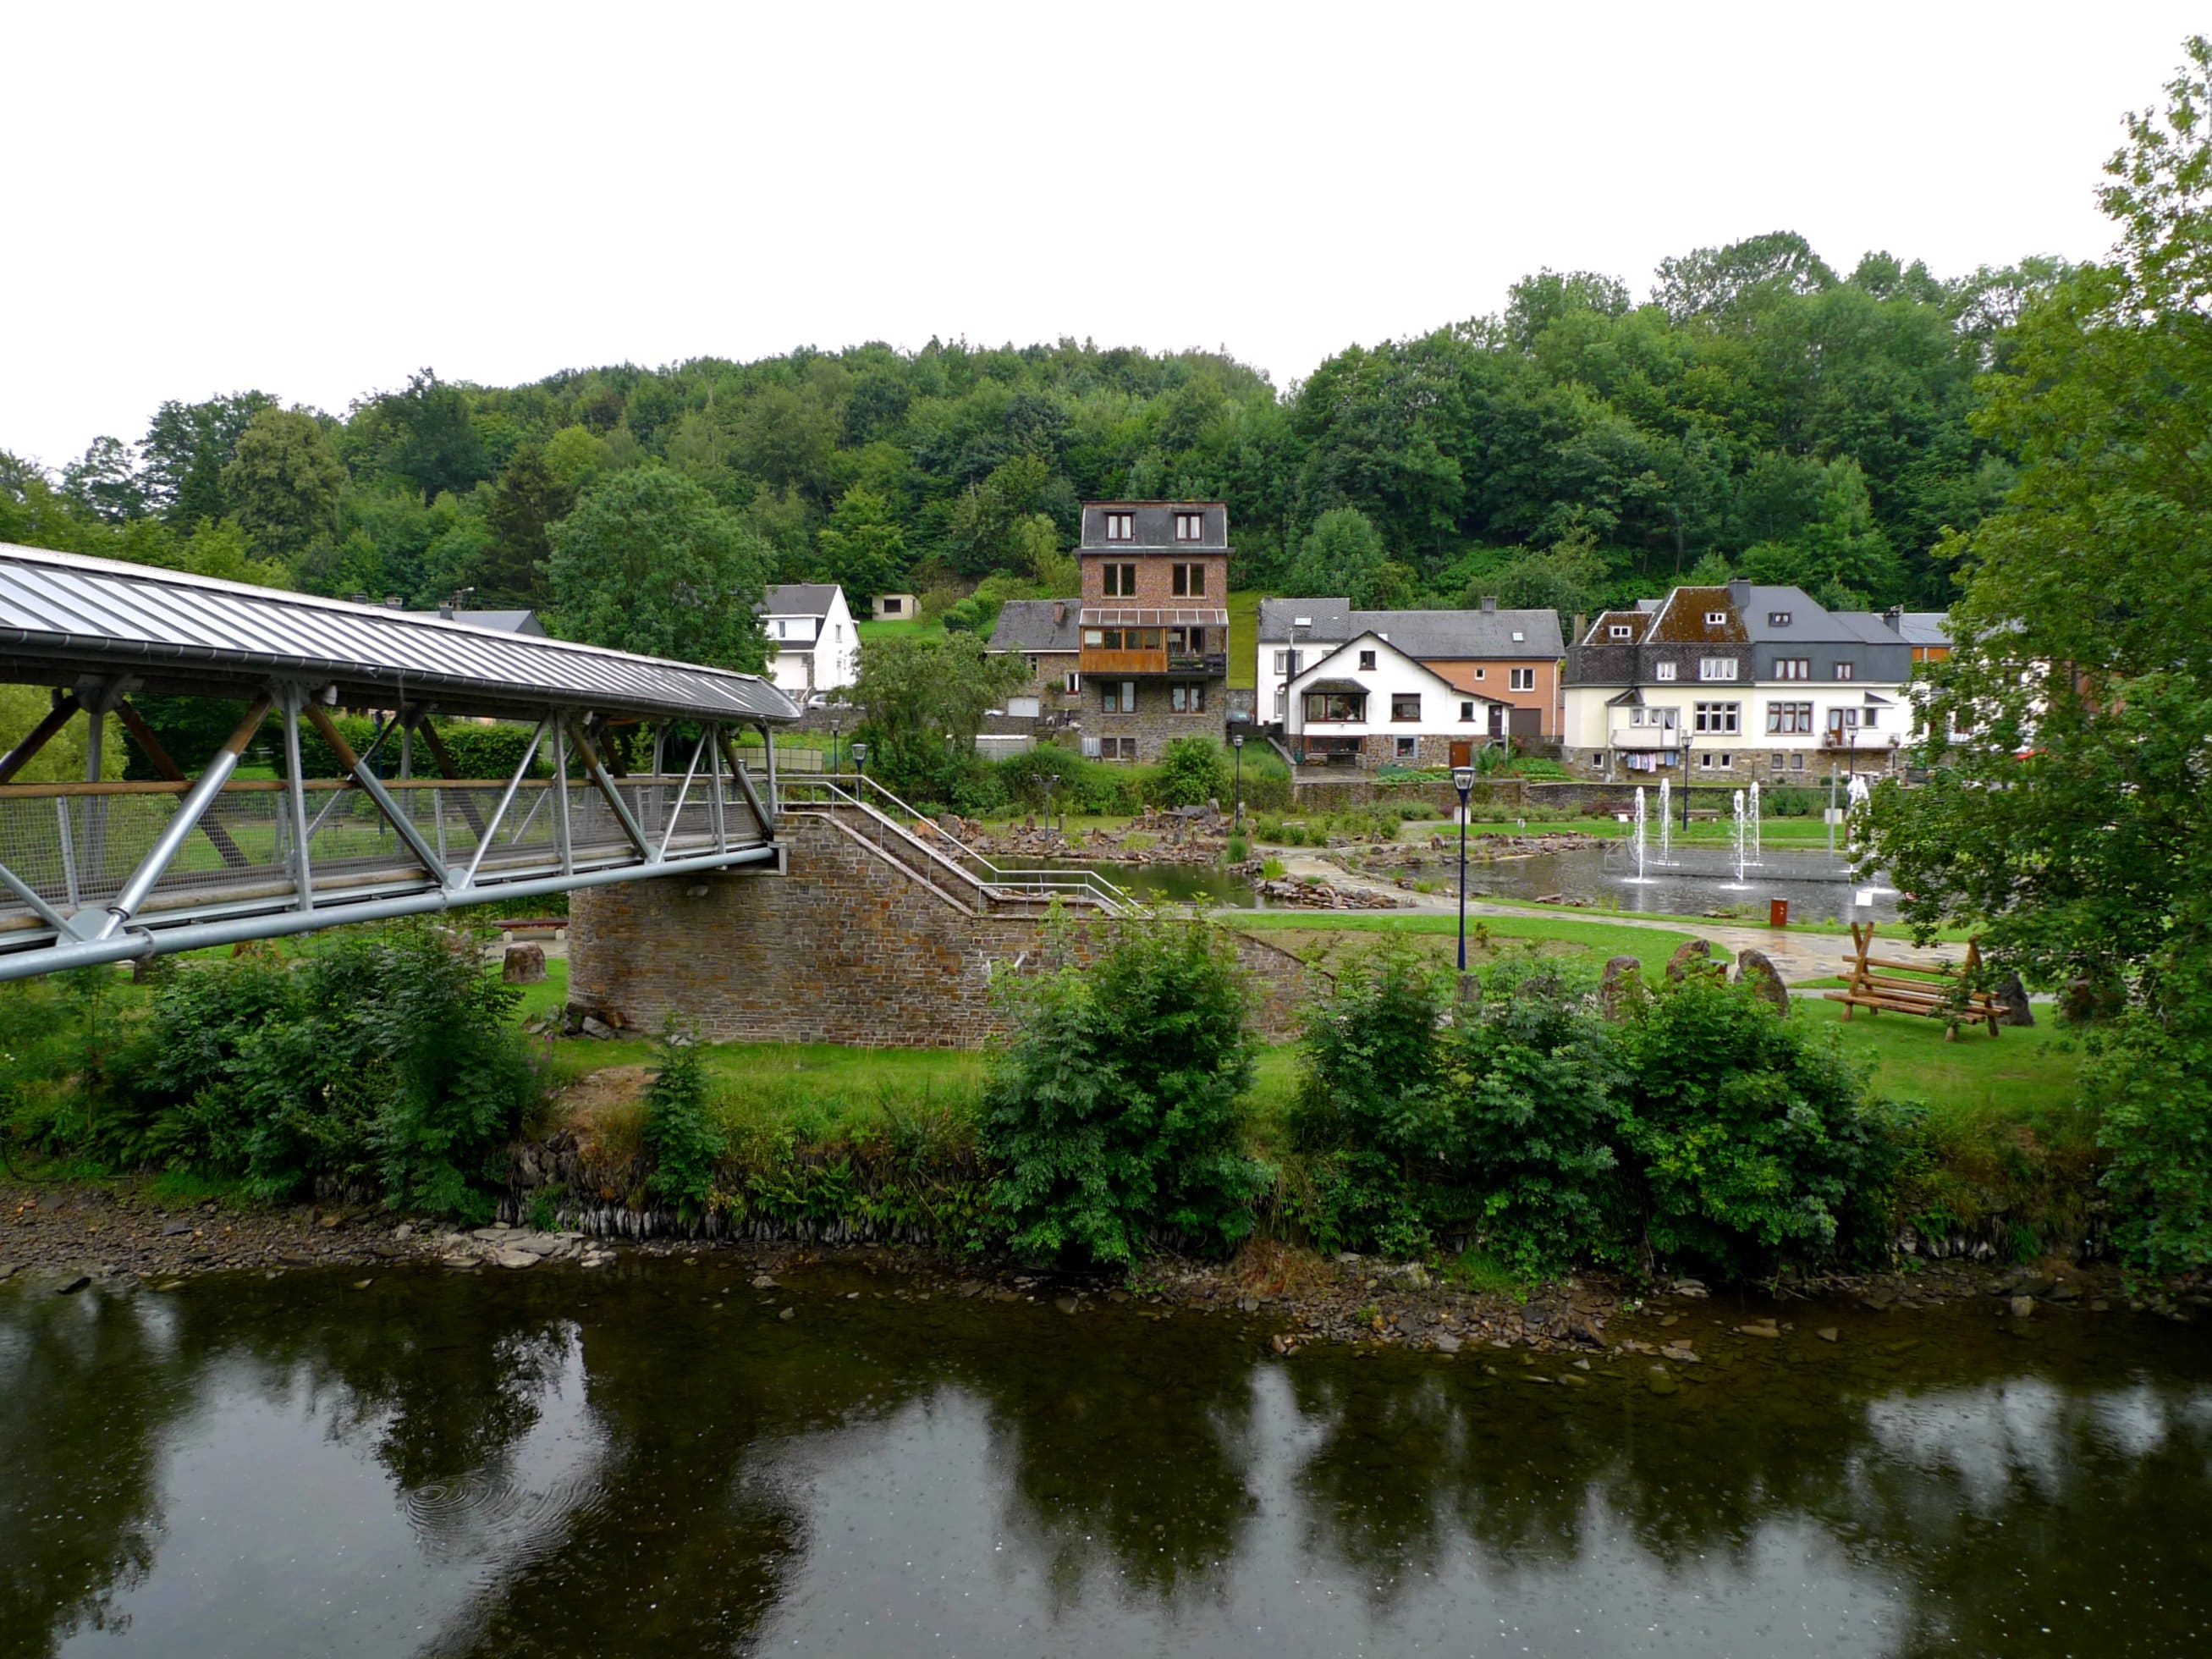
(1781, 729)
(1369, 699)
(812, 643)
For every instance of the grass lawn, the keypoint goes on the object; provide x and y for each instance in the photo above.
(2028, 1072)
(1327, 938)
(912, 629)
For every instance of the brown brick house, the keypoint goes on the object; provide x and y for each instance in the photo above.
(1153, 663)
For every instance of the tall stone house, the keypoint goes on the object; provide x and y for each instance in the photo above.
(1726, 684)
(1502, 656)
(1153, 664)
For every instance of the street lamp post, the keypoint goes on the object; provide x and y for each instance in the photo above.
(860, 759)
(833, 748)
(1237, 743)
(1462, 781)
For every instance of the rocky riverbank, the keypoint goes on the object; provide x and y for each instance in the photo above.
(64, 1239)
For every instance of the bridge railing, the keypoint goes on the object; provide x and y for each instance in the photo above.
(74, 846)
(919, 835)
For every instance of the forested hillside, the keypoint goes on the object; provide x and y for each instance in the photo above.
(1758, 411)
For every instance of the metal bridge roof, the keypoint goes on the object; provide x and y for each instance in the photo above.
(63, 616)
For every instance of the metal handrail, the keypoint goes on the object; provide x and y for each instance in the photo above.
(794, 792)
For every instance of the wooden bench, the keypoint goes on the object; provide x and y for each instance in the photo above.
(1931, 999)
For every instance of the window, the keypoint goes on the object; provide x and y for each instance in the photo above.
(1717, 668)
(1522, 679)
(1118, 697)
(1121, 581)
(1332, 707)
(781, 627)
(1797, 760)
(1467, 711)
(1286, 662)
(1778, 619)
(1367, 662)
(1519, 638)
(1793, 668)
(1406, 706)
(1190, 527)
(1844, 722)
(1186, 697)
(1120, 526)
(1722, 717)
(1618, 631)
(1843, 670)
(1716, 619)
(1409, 749)
(1117, 748)
(1789, 717)
(1190, 580)
(1663, 671)
(1478, 673)
(1774, 760)
(1709, 761)
(1072, 682)
(891, 607)
(1664, 719)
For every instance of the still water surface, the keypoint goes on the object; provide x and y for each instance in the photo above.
(653, 1462)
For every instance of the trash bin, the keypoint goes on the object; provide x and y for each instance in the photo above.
(1778, 913)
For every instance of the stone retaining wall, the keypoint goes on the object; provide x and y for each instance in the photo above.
(846, 948)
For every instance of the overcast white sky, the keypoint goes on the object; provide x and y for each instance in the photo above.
(316, 199)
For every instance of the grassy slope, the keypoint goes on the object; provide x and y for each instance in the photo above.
(915, 628)
(1243, 631)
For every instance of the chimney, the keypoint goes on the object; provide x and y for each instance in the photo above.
(1059, 613)
(1576, 633)
(1895, 618)
(392, 602)
(446, 612)
(1739, 592)
(1490, 604)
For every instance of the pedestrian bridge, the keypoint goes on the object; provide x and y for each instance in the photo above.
(99, 871)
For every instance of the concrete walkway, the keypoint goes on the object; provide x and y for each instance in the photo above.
(1798, 956)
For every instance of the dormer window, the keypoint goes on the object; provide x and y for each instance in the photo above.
(1716, 619)
(1191, 526)
(1120, 526)
(1778, 619)
(1618, 631)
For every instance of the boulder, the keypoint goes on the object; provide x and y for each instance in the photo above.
(1756, 970)
(1622, 987)
(523, 964)
(2014, 995)
(1695, 956)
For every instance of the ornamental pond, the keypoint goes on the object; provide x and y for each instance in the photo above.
(660, 1458)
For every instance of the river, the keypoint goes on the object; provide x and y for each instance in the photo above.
(654, 1459)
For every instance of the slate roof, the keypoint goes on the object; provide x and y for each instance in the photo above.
(1924, 628)
(1434, 634)
(799, 599)
(1682, 620)
(1039, 625)
(1637, 622)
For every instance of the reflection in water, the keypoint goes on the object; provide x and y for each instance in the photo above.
(657, 1462)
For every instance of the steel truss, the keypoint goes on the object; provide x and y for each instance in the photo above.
(102, 871)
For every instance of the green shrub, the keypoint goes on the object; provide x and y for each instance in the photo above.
(1538, 1073)
(679, 1127)
(2152, 1078)
(390, 1057)
(1788, 800)
(1747, 1139)
(1113, 1108)
(1078, 785)
(1191, 772)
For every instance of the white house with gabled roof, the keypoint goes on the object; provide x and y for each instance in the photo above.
(1368, 703)
(812, 644)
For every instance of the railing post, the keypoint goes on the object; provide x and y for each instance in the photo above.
(295, 791)
(560, 830)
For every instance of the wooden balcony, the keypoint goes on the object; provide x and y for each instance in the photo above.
(1211, 664)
